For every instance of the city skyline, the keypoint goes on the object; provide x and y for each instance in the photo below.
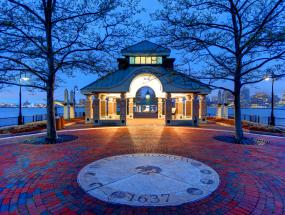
(10, 94)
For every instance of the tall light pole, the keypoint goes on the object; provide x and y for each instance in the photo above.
(272, 117)
(272, 78)
(20, 117)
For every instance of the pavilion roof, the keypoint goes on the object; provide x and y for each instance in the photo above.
(171, 80)
(145, 48)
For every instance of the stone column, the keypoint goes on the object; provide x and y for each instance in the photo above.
(88, 109)
(96, 109)
(219, 113)
(188, 108)
(110, 108)
(179, 108)
(225, 111)
(123, 109)
(66, 105)
(71, 107)
(159, 108)
(131, 108)
(195, 109)
(202, 108)
(103, 106)
(168, 109)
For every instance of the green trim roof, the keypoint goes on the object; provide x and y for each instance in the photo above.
(171, 80)
(145, 48)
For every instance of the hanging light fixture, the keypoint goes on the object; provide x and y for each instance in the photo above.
(147, 95)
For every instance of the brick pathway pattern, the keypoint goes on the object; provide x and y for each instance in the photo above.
(42, 179)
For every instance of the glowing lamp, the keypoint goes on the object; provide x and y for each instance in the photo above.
(147, 95)
(25, 78)
(267, 79)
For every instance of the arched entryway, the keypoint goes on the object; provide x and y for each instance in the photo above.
(145, 97)
(145, 103)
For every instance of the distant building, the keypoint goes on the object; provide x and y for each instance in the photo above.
(7, 105)
(40, 105)
(27, 104)
(276, 100)
(282, 100)
(228, 98)
(245, 97)
(81, 102)
(214, 100)
(220, 99)
(224, 97)
(260, 99)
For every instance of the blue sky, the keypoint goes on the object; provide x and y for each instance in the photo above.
(10, 94)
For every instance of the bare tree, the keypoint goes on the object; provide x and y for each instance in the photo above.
(237, 41)
(45, 38)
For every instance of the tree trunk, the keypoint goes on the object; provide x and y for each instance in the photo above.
(238, 122)
(51, 129)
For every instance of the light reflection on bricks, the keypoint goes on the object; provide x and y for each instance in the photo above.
(42, 178)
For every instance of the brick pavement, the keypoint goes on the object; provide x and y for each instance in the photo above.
(41, 179)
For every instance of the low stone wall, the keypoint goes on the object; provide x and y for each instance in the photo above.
(33, 126)
(110, 122)
(181, 123)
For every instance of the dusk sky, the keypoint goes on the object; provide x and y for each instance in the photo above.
(10, 94)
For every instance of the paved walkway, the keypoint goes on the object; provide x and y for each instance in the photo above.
(43, 178)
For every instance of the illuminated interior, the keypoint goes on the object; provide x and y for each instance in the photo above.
(146, 60)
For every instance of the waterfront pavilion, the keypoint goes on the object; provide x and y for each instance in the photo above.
(145, 85)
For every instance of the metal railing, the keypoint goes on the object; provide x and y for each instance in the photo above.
(9, 121)
(264, 120)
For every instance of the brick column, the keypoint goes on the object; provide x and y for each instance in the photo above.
(110, 107)
(195, 109)
(103, 106)
(96, 109)
(123, 109)
(131, 108)
(188, 108)
(88, 109)
(159, 108)
(202, 108)
(168, 114)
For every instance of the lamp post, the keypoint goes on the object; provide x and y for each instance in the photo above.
(272, 117)
(20, 117)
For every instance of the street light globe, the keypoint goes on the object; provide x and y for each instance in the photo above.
(267, 78)
(147, 95)
(25, 78)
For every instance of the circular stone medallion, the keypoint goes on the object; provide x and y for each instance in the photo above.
(148, 179)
